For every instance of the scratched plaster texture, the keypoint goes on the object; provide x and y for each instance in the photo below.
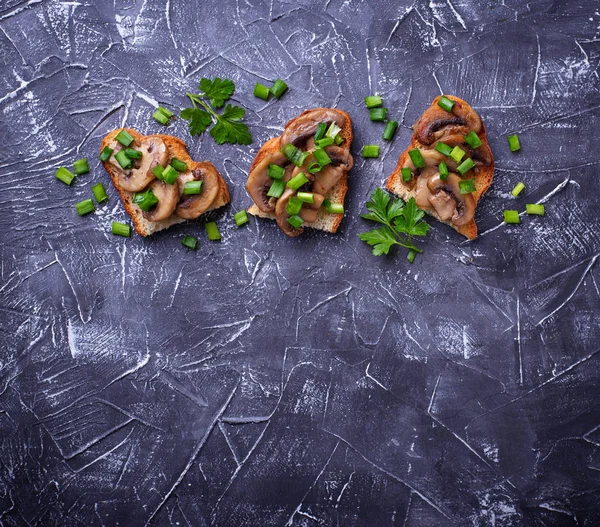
(274, 381)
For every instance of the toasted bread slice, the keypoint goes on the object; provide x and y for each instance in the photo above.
(177, 149)
(483, 176)
(325, 221)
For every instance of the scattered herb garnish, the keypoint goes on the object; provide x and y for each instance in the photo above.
(400, 223)
(228, 127)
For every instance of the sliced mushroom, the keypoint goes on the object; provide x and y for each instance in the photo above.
(481, 155)
(305, 125)
(437, 122)
(330, 174)
(464, 204)
(259, 182)
(191, 206)
(423, 193)
(154, 152)
(167, 201)
(281, 214)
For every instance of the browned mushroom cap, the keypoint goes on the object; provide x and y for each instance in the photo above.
(436, 122)
(167, 201)
(191, 206)
(307, 123)
(481, 155)
(329, 175)
(423, 193)
(259, 182)
(154, 152)
(281, 214)
(464, 204)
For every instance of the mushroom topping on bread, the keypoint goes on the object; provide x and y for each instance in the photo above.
(191, 206)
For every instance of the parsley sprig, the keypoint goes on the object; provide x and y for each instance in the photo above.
(400, 223)
(228, 127)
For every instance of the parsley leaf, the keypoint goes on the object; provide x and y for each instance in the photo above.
(400, 223)
(229, 129)
(217, 90)
(199, 120)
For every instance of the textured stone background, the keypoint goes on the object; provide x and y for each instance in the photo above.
(304, 382)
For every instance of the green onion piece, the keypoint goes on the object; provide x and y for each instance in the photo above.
(294, 205)
(122, 159)
(417, 158)
(465, 166)
(390, 130)
(326, 203)
(192, 187)
(297, 181)
(445, 103)
(306, 197)
(164, 111)
(295, 221)
(124, 137)
(373, 101)
(335, 208)
(513, 143)
(99, 193)
(212, 231)
(457, 153)
(240, 218)
(443, 148)
(370, 151)
(279, 88)
(275, 171)
(81, 166)
(261, 91)
(473, 139)
(132, 153)
(84, 207)
(121, 229)
(406, 174)
(333, 130)
(106, 153)
(293, 154)
(378, 114)
(321, 157)
(326, 141)
(66, 176)
(313, 168)
(160, 117)
(158, 172)
(519, 187)
(178, 165)
(169, 175)
(511, 216)
(443, 171)
(533, 208)
(338, 139)
(145, 200)
(321, 129)
(466, 186)
(411, 255)
(190, 242)
(277, 188)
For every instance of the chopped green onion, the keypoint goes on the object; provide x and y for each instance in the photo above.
(457, 153)
(124, 137)
(99, 193)
(445, 103)
(306, 197)
(443, 171)
(370, 151)
(164, 111)
(519, 187)
(294, 154)
(279, 88)
(534, 208)
(261, 91)
(466, 186)
(335, 208)
(411, 255)
(326, 203)
(465, 166)
(158, 171)
(190, 242)
(132, 153)
(333, 131)
(338, 139)
(473, 139)
(326, 141)
(169, 175)
(297, 181)
(373, 101)
(81, 166)
(277, 188)
(106, 153)
(313, 168)
(192, 187)
(122, 159)
(406, 174)
(275, 171)
(321, 129)
(513, 143)
(295, 221)
(511, 216)
(294, 205)
(417, 158)
(240, 218)
(212, 231)
(121, 229)
(66, 176)
(178, 165)
(321, 157)
(160, 117)
(84, 207)
(378, 114)
(390, 130)
(145, 200)
(443, 148)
